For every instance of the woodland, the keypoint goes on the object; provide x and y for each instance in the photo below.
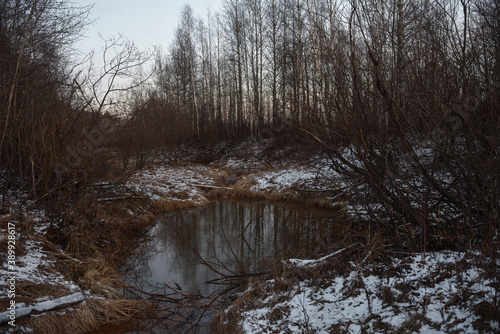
(401, 97)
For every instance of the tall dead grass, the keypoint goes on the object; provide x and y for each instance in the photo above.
(244, 191)
(90, 316)
(171, 204)
(89, 243)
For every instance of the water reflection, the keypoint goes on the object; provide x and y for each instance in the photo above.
(233, 238)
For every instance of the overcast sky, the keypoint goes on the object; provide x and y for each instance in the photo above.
(146, 22)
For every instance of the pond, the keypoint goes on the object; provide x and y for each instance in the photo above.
(225, 242)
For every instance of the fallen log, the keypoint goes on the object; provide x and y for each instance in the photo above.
(49, 305)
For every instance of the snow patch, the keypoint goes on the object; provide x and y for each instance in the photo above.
(425, 288)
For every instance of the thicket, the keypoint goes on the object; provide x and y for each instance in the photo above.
(60, 143)
(402, 95)
(58, 112)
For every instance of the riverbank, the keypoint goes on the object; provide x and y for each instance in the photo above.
(370, 287)
(64, 275)
(246, 172)
(375, 289)
(59, 256)
(443, 292)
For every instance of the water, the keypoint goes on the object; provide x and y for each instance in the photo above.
(225, 242)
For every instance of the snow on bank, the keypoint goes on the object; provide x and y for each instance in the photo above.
(318, 177)
(179, 183)
(35, 266)
(430, 295)
(186, 183)
(32, 263)
(30, 275)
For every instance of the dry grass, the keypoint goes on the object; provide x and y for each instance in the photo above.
(90, 316)
(20, 222)
(90, 257)
(111, 234)
(227, 321)
(95, 254)
(171, 204)
(412, 325)
(88, 245)
(95, 236)
(96, 274)
(102, 279)
(29, 293)
(368, 259)
(4, 247)
(243, 191)
(32, 290)
(131, 210)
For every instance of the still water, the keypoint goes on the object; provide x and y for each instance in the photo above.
(225, 241)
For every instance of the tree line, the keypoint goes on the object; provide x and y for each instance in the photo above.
(311, 63)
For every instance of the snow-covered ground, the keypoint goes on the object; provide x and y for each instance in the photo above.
(191, 183)
(318, 177)
(430, 294)
(427, 294)
(178, 183)
(23, 310)
(32, 279)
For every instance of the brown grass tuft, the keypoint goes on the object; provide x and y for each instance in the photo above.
(89, 316)
(279, 313)
(412, 325)
(286, 279)
(4, 247)
(33, 290)
(100, 278)
(243, 190)
(171, 204)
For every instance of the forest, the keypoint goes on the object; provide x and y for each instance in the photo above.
(399, 97)
(409, 88)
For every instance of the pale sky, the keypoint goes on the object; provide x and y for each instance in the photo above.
(146, 22)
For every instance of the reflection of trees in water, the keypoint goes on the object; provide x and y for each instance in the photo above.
(181, 237)
(229, 234)
(137, 269)
(234, 238)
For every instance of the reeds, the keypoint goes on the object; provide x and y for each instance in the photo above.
(88, 245)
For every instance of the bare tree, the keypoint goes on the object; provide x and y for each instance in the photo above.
(35, 45)
(408, 87)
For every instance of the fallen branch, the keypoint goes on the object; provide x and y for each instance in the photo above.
(210, 186)
(111, 199)
(312, 263)
(45, 306)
